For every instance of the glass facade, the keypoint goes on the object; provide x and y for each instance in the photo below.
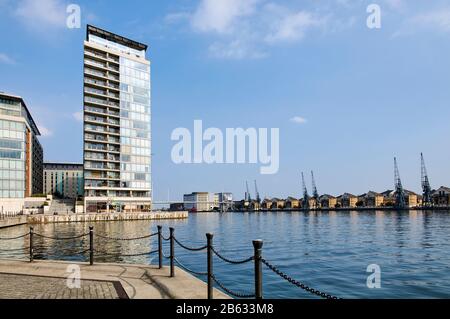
(135, 157)
(117, 132)
(12, 159)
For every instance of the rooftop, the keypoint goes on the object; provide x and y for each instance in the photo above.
(114, 38)
(20, 99)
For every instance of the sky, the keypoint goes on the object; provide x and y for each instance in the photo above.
(346, 98)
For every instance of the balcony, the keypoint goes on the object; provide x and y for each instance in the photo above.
(95, 63)
(94, 72)
(95, 82)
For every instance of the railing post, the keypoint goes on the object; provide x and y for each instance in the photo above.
(257, 245)
(31, 244)
(209, 238)
(91, 245)
(172, 252)
(160, 261)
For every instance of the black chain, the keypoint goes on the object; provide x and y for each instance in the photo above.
(236, 262)
(62, 238)
(190, 270)
(164, 238)
(117, 238)
(12, 238)
(233, 293)
(297, 283)
(189, 248)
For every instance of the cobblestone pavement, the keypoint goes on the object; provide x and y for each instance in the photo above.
(36, 287)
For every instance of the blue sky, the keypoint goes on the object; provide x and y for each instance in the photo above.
(364, 94)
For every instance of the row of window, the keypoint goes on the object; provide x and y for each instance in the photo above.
(12, 126)
(12, 185)
(12, 194)
(12, 134)
(135, 142)
(12, 175)
(12, 164)
(11, 154)
(134, 107)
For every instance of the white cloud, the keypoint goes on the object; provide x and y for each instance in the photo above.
(244, 29)
(292, 27)
(45, 132)
(438, 21)
(236, 50)
(42, 14)
(221, 15)
(298, 120)
(4, 58)
(78, 116)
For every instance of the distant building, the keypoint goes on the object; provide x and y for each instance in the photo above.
(201, 201)
(347, 200)
(176, 207)
(266, 204)
(373, 199)
(21, 154)
(328, 201)
(63, 179)
(292, 203)
(225, 201)
(278, 203)
(441, 196)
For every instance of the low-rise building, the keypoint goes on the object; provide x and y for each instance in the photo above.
(278, 203)
(441, 196)
(63, 180)
(327, 201)
(347, 200)
(225, 201)
(292, 203)
(201, 201)
(266, 204)
(373, 199)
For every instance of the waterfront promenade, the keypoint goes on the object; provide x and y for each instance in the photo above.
(48, 280)
(89, 218)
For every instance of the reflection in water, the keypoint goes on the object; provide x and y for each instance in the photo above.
(329, 251)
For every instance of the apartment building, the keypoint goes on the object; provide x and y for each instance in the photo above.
(65, 180)
(117, 134)
(21, 154)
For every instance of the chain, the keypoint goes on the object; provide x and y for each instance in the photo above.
(236, 262)
(190, 270)
(62, 238)
(189, 248)
(164, 238)
(117, 238)
(297, 283)
(12, 238)
(233, 293)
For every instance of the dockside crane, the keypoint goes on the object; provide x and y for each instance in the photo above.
(314, 188)
(248, 198)
(426, 188)
(399, 191)
(305, 194)
(258, 198)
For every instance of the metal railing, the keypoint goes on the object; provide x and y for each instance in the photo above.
(211, 277)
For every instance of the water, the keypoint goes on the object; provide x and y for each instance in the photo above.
(329, 251)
